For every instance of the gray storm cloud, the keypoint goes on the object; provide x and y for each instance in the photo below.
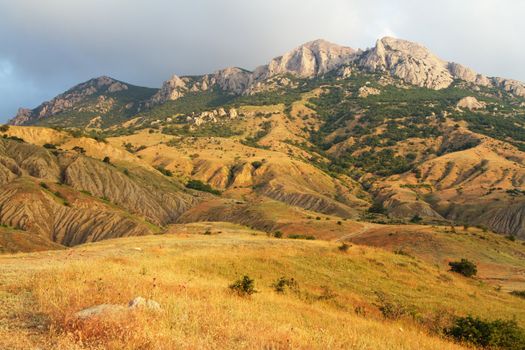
(49, 46)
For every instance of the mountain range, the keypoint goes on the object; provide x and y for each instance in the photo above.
(391, 134)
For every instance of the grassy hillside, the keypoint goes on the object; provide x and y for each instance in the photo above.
(364, 298)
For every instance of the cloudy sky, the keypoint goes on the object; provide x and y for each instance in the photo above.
(47, 46)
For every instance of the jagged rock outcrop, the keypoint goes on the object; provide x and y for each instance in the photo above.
(514, 87)
(470, 103)
(309, 60)
(405, 60)
(417, 66)
(408, 61)
(365, 91)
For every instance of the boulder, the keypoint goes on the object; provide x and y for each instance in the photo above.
(105, 310)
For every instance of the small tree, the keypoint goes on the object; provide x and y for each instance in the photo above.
(465, 267)
(282, 283)
(106, 160)
(50, 146)
(377, 208)
(244, 286)
(257, 164)
(497, 334)
(416, 219)
(344, 247)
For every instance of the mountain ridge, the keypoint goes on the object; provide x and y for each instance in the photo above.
(409, 61)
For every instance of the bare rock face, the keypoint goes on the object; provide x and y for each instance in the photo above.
(471, 103)
(464, 73)
(514, 87)
(311, 59)
(306, 61)
(365, 91)
(416, 65)
(409, 61)
(171, 89)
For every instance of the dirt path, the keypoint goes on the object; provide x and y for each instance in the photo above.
(366, 227)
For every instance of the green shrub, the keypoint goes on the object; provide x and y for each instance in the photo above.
(244, 286)
(344, 247)
(49, 146)
(497, 334)
(44, 186)
(106, 160)
(518, 293)
(15, 138)
(278, 234)
(377, 208)
(464, 267)
(416, 219)
(282, 283)
(391, 309)
(201, 186)
(4, 128)
(257, 164)
(297, 236)
(164, 171)
(59, 195)
(79, 149)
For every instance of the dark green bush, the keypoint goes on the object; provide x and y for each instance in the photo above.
(377, 208)
(297, 236)
(344, 247)
(257, 164)
(465, 267)
(416, 219)
(518, 293)
(50, 146)
(244, 286)
(278, 234)
(282, 283)
(164, 171)
(201, 186)
(497, 334)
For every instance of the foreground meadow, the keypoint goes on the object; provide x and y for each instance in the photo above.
(361, 298)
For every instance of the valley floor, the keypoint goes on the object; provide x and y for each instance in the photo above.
(362, 298)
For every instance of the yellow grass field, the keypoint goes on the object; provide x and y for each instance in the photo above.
(337, 304)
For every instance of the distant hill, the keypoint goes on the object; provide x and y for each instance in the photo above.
(391, 134)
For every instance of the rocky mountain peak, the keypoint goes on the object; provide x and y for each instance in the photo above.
(308, 60)
(69, 99)
(409, 61)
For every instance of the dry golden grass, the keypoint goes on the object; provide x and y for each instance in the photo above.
(188, 274)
